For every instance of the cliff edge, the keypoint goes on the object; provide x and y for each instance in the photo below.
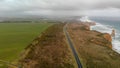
(51, 50)
(94, 48)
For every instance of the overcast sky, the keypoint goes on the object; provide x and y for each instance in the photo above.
(9, 8)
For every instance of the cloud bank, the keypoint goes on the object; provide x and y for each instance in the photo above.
(10, 8)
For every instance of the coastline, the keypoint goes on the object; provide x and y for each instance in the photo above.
(94, 48)
(108, 29)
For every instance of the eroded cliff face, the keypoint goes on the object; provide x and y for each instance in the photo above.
(103, 40)
(94, 48)
(107, 37)
(50, 50)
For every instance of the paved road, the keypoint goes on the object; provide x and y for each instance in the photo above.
(72, 47)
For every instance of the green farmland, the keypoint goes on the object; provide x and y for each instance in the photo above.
(14, 37)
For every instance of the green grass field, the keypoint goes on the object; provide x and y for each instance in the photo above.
(14, 37)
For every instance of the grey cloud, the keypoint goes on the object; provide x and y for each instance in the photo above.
(54, 7)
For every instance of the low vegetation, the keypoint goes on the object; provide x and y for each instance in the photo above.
(94, 48)
(49, 50)
(14, 37)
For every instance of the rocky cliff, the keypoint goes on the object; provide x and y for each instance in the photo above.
(50, 50)
(94, 48)
(103, 40)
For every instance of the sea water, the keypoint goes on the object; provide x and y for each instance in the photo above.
(106, 26)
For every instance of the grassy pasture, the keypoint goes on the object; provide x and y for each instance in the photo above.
(14, 37)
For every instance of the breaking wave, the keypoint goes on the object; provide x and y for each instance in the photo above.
(108, 29)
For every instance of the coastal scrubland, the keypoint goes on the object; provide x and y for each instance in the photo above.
(49, 50)
(94, 48)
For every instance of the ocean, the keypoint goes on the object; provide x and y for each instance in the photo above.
(106, 25)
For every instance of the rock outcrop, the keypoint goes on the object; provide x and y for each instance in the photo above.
(107, 37)
(103, 40)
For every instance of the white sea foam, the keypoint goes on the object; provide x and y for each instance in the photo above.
(85, 19)
(108, 29)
